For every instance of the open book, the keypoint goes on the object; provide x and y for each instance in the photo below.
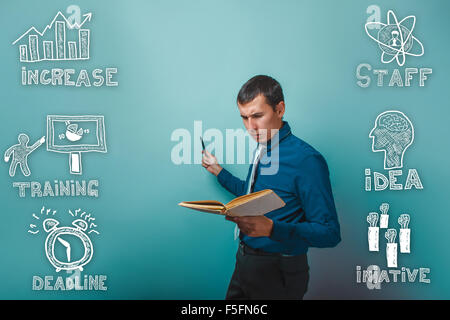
(252, 204)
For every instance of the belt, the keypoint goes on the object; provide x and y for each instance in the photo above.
(245, 249)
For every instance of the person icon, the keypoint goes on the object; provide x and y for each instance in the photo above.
(395, 41)
(19, 153)
(393, 134)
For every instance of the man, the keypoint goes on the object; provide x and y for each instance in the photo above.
(271, 261)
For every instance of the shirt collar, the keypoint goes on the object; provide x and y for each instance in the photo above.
(282, 133)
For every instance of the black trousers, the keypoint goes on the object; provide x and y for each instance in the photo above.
(263, 275)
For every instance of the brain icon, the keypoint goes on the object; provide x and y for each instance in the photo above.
(394, 122)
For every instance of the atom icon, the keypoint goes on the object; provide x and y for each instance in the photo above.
(394, 39)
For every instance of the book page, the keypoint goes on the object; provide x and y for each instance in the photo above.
(204, 206)
(247, 197)
(259, 206)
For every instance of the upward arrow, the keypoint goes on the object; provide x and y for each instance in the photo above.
(88, 17)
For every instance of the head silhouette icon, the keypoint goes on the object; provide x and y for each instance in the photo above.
(393, 134)
(23, 139)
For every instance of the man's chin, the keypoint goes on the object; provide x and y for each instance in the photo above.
(258, 139)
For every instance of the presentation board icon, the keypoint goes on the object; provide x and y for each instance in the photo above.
(60, 40)
(75, 135)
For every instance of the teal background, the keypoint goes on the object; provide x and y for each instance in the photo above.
(181, 61)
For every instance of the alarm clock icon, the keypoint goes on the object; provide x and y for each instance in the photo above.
(56, 234)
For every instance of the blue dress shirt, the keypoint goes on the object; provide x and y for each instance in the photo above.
(298, 174)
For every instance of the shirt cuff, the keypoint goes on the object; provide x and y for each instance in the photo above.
(280, 231)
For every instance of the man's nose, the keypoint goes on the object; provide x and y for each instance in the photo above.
(252, 124)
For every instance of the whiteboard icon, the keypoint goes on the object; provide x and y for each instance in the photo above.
(76, 135)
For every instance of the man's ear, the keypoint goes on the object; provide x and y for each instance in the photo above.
(280, 108)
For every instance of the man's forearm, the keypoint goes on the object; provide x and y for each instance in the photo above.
(316, 234)
(231, 183)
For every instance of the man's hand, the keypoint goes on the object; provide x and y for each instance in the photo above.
(6, 158)
(42, 140)
(210, 163)
(259, 226)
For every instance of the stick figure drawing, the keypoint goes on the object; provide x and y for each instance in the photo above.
(19, 153)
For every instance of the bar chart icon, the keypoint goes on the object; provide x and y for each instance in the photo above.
(60, 40)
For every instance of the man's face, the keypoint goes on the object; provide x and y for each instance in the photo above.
(260, 120)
